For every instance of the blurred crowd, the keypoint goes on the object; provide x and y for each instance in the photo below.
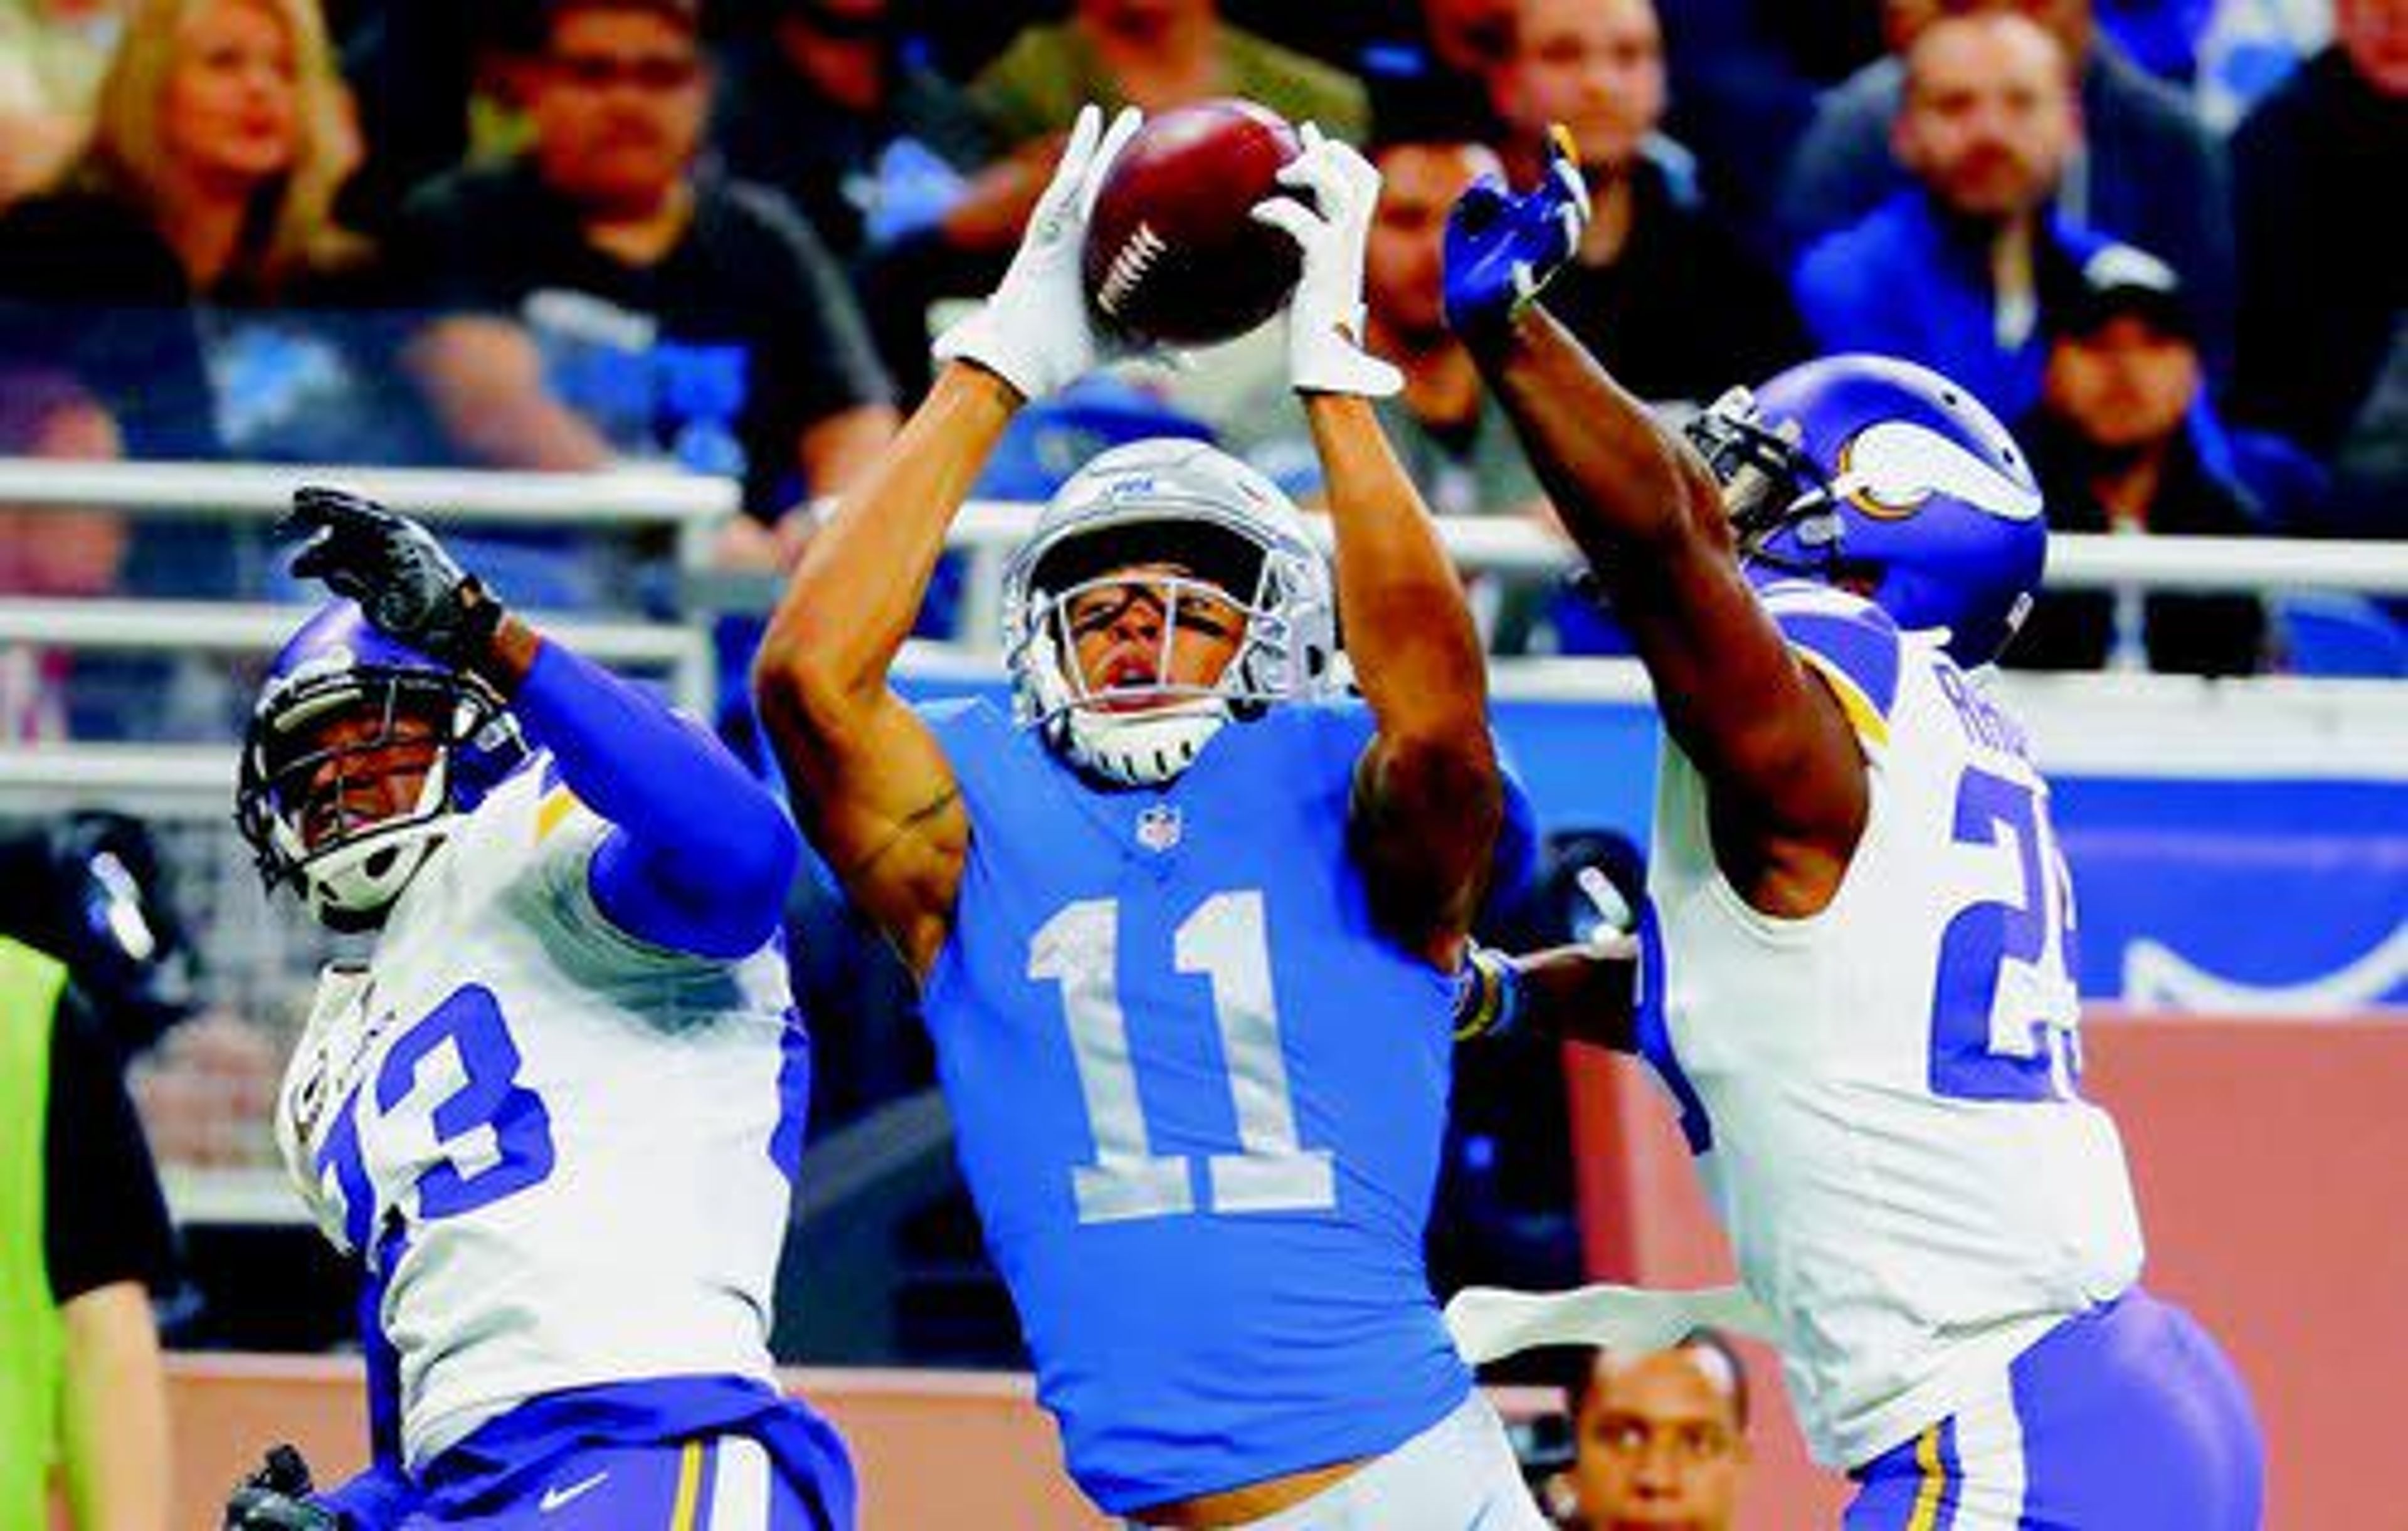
(567, 234)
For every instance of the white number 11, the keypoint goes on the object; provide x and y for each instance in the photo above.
(1225, 940)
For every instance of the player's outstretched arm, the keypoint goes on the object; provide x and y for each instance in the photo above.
(699, 855)
(1788, 783)
(870, 784)
(1581, 992)
(1428, 799)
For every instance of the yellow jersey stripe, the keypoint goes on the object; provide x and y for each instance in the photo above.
(1863, 716)
(1935, 1482)
(689, 1489)
(557, 804)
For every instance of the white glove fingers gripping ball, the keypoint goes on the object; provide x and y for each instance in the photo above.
(1065, 193)
(1100, 162)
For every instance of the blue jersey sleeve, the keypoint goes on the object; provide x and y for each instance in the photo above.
(699, 855)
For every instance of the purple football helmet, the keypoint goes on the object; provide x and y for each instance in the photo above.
(338, 665)
(1884, 477)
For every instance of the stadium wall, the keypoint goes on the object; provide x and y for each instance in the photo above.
(935, 1450)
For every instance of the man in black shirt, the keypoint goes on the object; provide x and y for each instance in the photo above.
(2117, 443)
(104, 1241)
(1665, 295)
(599, 300)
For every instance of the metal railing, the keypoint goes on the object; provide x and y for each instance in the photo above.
(692, 509)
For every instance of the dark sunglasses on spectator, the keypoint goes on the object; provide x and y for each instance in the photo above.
(649, 72)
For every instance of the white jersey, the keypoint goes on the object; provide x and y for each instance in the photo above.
(564, 1153)
(1884, 1096)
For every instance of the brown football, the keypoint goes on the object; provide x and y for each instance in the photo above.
(1173, 257)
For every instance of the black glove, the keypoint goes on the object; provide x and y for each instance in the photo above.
(411, 590)
(276, 1498)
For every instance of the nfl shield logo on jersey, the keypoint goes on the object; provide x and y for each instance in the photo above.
(1158, 828)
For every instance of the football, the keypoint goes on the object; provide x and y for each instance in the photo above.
(1173, 257)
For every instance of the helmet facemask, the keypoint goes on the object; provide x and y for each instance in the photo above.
(1769, 484)
(1183, 571)
(294, 803)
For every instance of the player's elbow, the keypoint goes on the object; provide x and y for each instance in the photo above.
(760, 856)
(721, 893)
(801, 689)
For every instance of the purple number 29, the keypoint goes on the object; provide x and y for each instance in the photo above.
(2011, 953)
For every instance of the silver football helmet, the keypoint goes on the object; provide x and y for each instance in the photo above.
(1241, 541)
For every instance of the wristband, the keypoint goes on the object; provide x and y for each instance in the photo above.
(1488, 995)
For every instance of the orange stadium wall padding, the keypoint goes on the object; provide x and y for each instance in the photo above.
(935, 1449)
(2269, 1155)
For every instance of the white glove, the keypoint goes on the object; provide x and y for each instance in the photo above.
(1034, 332)
(1325, 317)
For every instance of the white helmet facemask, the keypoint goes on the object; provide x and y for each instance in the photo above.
(1180, 525)
(352, 881)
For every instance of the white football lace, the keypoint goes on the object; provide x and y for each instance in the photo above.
(1135, 259)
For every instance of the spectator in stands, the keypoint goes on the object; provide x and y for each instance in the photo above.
(2142, 166)
(53, 53)
(601, 299)
(51, 553)
(441, 83)
(1663, 293)
(2224, 53)
(2248, 47)
(1154, 54)
(1953, 270)
(83, 1239)
(2324, 313)
(219, 146)
(1746, 76)
(825, 108)
(2116, 444)
(873, 147)
(1435, 67)
(1657, 1439)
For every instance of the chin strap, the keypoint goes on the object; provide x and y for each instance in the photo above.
(1140, 749)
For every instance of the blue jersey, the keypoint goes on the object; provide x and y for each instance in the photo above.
(1200, 1098)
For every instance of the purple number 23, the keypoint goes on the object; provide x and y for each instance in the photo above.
(488, 1095)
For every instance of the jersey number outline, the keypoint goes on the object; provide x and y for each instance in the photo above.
(484, 1095)
(2035, 1055)
(1226, 940)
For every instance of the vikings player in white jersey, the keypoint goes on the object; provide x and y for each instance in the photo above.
(557, 1112)
(1855, 970)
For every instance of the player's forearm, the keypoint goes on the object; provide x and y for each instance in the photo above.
(858, 590)
(115, 1411)
(1582, 993)
(1623, 485)
(1409, 631)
